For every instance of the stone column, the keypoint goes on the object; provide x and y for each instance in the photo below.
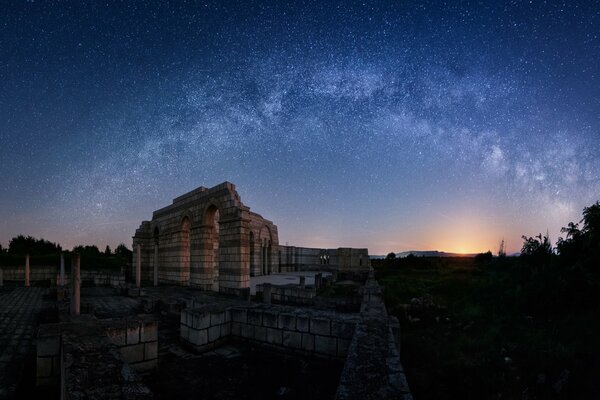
(27, 270)
(62, 269)
(75, 284)
(267, 293)
(318, 280)
(302, 282)
(1, 276)
(155, 265)
(138, 266)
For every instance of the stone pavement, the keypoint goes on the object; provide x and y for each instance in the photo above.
(19, 309)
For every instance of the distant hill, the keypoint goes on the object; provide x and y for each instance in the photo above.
(428, 253)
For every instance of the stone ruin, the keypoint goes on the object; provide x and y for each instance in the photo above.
(210, 240)
(208, 278)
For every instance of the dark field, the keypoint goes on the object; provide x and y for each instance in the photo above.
(494, 330)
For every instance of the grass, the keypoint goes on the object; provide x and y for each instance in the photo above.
(490, 334)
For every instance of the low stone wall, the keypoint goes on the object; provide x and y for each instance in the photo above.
(137, 340)
(88, 358)
(290, 294)
(51, 274)
(308, 331)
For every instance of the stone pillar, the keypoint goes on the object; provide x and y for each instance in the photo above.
(1, 276)
(334, 276)
(138, 266)
(302, 282)
(27, 270)
(62, 269)
(318, 280)
(267, 293)
(155, 265)
(75, 284)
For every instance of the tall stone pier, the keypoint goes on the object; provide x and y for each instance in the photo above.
(27, 270)
(75, 284)
(138, 266)
(62, 269)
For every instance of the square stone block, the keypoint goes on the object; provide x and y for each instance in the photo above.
(149, 332)
(133, 334)
(292, 339)
(255, 317)
(133, 353)
(325, 345)
(270, 319)
(247, 331)
(145, 366)
(308, 342)
(320, 326)
(274, 336)
(151, 350)
(260, 333)
(226, 329)
(214, 333)
(201, 320)
(287, 322)
(302, 323)
(236, 329)
(217, 318)
(44, 367)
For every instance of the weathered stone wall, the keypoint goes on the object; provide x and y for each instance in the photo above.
(291, 294)
(137, 339)
(50, 273)
(304, 330)
(343, 259)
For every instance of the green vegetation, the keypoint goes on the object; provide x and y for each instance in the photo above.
(44, 253)
(503, 327)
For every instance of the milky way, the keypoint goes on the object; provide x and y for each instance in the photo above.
(391, 126)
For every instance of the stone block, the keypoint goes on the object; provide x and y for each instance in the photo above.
(133, 353)
(217, 318)
(236, 329)
(302, 323)
(133, 333)
(320, 326)
(149, 332)
(325, 345)
(226, 329)
(292, 339)
(214, 333)
(48, 345)
(287, 322)
(201, 320)
(274, 336)
(260, 333)
(151, 350)
(270, 319)
(255, 317)
(247, 331)
(308, 342)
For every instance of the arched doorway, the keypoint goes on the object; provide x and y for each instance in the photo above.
(185, 254)
(265, 251)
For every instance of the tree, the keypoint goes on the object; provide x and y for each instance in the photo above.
(123, 252)
(107, 251)
(21, 245)
(391, 256)
(482, 258)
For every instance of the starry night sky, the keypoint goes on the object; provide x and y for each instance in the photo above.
(392, 125)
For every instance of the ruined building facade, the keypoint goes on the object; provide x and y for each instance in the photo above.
(209, 239)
